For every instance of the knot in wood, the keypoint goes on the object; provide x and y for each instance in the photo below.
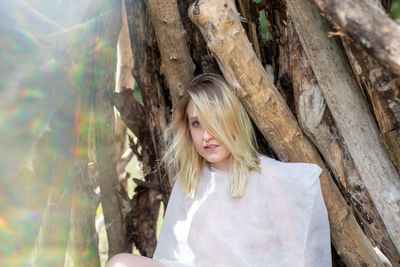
(196, 10)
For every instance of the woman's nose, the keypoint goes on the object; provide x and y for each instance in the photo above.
(206, 135)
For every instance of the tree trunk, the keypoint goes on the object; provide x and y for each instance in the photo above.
(202, 58)
(350, 113)
(367, 24)
(103, 84)
(381, 90)
(153, 115)
(219, 23)
(177, 65)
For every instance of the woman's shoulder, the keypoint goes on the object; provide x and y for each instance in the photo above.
(297, 173)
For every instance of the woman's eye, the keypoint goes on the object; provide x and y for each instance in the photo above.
(195, 123)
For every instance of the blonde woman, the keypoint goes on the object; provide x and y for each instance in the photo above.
(231, 206)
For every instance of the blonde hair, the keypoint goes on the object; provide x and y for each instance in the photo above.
(220, 113)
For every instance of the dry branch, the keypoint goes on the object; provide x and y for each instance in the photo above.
(367, 24)
(132, 112)
(220, 24)
(350, 112)
(177, 65)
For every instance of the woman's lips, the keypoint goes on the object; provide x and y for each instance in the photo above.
(211, 147)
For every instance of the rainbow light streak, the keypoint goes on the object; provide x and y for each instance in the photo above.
(28, 35)
(4, 228)
(28, 93)
(39, 14)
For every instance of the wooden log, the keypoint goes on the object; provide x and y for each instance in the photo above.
(146, 71)
(177, 65)
(317, 122)
(350, 112)
(250, 17)
(202, 58)
(220, 25)
(382, 91)
(368, 25)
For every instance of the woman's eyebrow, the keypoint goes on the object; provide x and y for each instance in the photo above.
(193, 118)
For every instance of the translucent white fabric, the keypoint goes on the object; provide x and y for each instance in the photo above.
(281, 220)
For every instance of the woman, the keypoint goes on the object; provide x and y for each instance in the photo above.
(231, 206)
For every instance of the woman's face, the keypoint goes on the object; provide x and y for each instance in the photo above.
(206, 145)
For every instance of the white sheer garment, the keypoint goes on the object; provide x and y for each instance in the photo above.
(281, 220)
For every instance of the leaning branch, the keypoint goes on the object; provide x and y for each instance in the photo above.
(368, 25)
(177, 65)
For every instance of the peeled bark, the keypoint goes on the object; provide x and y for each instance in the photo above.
(124, 79)
(350, 112)
(125, 56)
(177, 65)
(220, 24)
(368, 25)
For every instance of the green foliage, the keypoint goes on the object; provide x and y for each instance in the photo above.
(265, 31)
(395, 10)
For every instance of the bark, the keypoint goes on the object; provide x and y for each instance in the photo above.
(132, 113)
(381, 90)
(220, 25)
(142, 216)
(177, 65)
(350, 113)
(367, 24)
(277, 16)
(147, 74)
(317, 122)
(248, 12)
(141, 221)
(103, 84)
(202, 58)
